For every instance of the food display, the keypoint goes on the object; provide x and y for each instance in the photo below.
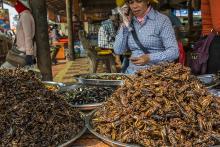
(105, 76)
(53, 86)
(162, 106)
(31, 115)
(215, 92)
(88, 95)
(104, 79)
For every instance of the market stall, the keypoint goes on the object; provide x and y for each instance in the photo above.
(160, 106)
(164, 105)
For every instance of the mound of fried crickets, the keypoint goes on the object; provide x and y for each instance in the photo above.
(161, 106)
(32, 115)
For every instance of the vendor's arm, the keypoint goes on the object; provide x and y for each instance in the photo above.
(28, 33)
(120, 45)
(171, 51)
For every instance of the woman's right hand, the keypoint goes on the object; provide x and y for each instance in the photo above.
(126, 16)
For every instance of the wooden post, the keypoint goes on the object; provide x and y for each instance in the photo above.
(190, 16)
(39, 11)
(70, 29)
(76, 7)
(1, 4)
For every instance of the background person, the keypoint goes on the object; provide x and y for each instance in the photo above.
(107, 33)
(211, 21)
(25, 32)
(77, 26)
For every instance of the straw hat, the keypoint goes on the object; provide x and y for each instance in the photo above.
(120, 3)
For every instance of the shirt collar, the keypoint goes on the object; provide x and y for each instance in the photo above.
(141, 19)
(150, 15)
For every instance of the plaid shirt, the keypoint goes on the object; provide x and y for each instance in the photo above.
(156, 34)
(107, 33)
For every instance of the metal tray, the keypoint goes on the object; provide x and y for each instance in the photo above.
(85, 107)
(108, 141)
(207, 79)
(215, 92)
(54, 83)
(69, 143)
(82, 80)
(103, 138)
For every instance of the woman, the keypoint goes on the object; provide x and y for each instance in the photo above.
(155, 32)
(24, 32)
(211, 22)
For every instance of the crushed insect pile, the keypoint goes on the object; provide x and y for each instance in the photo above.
(88, 95)
(105, 77)
(31, 115)
(164, 106)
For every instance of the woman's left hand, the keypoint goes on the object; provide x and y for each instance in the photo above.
(142, 60)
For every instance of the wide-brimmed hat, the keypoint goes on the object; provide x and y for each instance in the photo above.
(26, 3)
(120, 3)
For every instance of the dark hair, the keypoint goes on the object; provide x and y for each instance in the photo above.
(109, 14)
(55, 26)
(76, 16)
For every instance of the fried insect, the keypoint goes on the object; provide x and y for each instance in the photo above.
(164, 106)
(32, 115)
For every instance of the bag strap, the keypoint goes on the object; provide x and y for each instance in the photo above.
(137, 41)
(14, 46)
(208, 42)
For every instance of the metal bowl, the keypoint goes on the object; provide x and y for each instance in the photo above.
(87, 107)
(215, 92)
(81, 79)
(103, 138)
(84, 107)
(55, 84)
(70, 142)
(207, 79)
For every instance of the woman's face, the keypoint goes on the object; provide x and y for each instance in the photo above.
(138, 7)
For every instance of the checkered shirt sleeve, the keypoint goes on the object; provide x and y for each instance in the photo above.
(106, 35)
(102, 38)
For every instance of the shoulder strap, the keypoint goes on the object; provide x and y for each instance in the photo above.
(208, 42)
(137, 41)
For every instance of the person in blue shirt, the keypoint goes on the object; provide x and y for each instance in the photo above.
(155, 32)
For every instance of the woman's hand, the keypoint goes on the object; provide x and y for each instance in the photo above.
(126, 16)
(142, 60)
